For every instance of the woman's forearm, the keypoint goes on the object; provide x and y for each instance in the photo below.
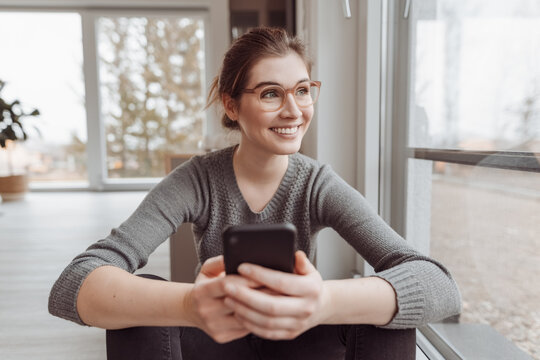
(369, 300)
(112, 298)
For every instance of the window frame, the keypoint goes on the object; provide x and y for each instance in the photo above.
(215, 43)
(509, 160)
(97, 153)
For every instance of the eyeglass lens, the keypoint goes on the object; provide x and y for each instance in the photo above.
(273, 97)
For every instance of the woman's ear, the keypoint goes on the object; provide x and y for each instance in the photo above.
(230, 106)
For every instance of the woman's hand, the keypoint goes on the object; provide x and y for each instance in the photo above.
(206, 302)
(288, 305)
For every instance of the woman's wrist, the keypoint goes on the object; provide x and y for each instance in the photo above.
(188, 308)
(328, 307)
(369, 300)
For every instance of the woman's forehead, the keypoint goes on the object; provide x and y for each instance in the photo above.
(284, 70)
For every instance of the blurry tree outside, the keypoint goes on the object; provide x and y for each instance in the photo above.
(152, 93)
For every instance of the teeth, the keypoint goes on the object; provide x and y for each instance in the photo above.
(285, 130)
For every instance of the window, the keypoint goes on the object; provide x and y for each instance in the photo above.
(117, 88)
(43, 68)
(471, 154)
(152, 91)
(475, 75)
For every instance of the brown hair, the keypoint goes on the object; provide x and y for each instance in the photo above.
(244, 53)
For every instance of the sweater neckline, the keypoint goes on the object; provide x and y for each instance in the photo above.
(281, 192)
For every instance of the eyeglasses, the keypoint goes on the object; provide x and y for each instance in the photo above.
(273, 97)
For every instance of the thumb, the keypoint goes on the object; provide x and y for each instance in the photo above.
(302, 265)
(213, 267)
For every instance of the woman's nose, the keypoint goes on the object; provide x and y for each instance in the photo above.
(290, 108)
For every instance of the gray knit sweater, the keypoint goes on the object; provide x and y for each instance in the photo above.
(311, 196)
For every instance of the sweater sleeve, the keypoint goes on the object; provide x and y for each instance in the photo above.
(424, 288)
(176, 199)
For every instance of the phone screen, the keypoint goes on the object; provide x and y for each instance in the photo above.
(268, 245)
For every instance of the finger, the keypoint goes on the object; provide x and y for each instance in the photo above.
(230, 336)
(213, 266)
(242, 281)
(215, 287)
(225, 329)
(271, 334)
(302, 265)
(217, 308)
(207, 309)
(269, 304)
(224, 337)
(269, 291)
(246, 314)
(285, 283)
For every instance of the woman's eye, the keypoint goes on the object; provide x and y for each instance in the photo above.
(302, 91)
(269, 94)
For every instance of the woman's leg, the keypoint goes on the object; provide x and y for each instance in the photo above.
(143, 342)
(349, 342)
(322, 342)
(197, 345)
(369, 342)
(172, 343)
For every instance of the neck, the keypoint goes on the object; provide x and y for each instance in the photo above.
(259, 166)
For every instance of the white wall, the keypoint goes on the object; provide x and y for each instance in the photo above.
(345, 130)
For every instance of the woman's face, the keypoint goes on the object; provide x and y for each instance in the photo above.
(277, 132)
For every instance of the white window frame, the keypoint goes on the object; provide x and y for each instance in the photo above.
(216, 42)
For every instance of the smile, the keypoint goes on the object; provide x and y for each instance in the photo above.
(288, 131)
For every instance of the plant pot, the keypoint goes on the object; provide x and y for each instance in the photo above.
(13, 187)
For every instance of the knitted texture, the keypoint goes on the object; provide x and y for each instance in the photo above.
(311, 196)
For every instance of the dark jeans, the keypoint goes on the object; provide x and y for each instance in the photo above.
(322, 342)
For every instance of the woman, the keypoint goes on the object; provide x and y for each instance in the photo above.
(267, 95)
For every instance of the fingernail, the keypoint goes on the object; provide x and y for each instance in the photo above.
(244, 269)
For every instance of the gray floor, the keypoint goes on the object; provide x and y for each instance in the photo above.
(38, 238)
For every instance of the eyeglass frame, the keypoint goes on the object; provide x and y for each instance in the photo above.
(286, 91)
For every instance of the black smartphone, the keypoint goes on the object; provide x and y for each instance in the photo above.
(268, 245)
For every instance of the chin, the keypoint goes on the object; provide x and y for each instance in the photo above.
(288, 149)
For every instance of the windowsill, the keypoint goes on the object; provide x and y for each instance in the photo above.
(39, 186)
(467, 341)
(130, 184)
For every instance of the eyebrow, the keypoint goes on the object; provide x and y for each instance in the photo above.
(265, 83)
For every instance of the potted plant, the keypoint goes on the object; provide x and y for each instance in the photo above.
(13, 185)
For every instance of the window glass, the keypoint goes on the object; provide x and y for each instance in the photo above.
(485, 227)
(41, 63)
(151, 73)
(475, 79)
(474, 84)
